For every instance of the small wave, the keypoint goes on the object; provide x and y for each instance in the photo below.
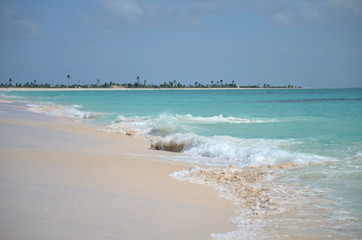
(311, 100)
(221, 119)
(5, 99)
(6, 96)
(188, 118)
(122, 119)
(62, 111)
(166, 124)
(132, 126)
(162, 125)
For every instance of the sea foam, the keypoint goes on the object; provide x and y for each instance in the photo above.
(263, 203)
(166, 123)
(174, 133)
(62, 111)
(225, 150)
(221, 119)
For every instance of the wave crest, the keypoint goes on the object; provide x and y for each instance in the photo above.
(221, 119)
(166, 124)
(174, 143)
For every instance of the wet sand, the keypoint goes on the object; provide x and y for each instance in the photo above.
(61, 180)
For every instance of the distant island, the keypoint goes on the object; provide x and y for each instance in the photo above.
(137, 84)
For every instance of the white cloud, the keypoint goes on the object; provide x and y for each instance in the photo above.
(305, 12)
(190, 13)
(311, 12)
(13, 25)
(27, 28)
(208, 7)
(119, 14)
(128, 10)
(285, 13)
(282, 18)
(353, 5)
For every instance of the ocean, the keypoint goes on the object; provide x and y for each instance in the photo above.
(290, 159)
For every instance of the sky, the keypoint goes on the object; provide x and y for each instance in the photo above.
(309, 43)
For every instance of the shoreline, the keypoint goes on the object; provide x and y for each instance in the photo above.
(71, 181)
(134, 89)
(161, 89)
(261, 205)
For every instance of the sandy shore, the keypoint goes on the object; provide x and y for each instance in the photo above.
(65, 181)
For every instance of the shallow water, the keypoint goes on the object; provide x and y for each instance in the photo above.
(318, 130)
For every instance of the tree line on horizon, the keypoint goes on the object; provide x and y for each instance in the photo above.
(137, 84)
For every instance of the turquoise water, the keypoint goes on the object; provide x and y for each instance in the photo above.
(237, 127)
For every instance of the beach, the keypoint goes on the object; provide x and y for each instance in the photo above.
(219, 164)
(192, 120)
(65, 180)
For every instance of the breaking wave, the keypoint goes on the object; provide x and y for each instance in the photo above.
(166, 124)
(176, 133)
(225, 150)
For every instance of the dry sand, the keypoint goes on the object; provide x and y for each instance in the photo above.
(69, 181)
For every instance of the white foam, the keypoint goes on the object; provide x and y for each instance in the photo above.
(263, 202)
(62, 111)
(140, 125)
(224, 151)
(166, 125)
(221, 119)
(246, 188)
(172, 133)
(6, 96)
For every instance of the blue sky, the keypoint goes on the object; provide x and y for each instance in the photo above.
(310, 43)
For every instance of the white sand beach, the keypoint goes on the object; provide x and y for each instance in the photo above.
(62, 180)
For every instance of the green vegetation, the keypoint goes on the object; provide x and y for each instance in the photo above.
(137, 84)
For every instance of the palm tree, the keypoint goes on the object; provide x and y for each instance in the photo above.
(10, 80)
(221, 81)
(144, 83)
(138, 79)
(98, 81)
(68, 76)
(195, 84)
